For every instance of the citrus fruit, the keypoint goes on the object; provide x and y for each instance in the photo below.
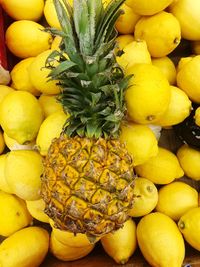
(25, 38)
(121, 244)
(38, 75)
(24, 9)
(146, 197)
(189, 159)
(189, 225)
(2, 142)
(56, 42)
(12, 144)
(132, 135)
(187, 78)
(23, 170)
(166, 65)
(122, 40)
(14, 214)
(145, 7)
(178, 110)
(197, 116)
(4, 90)
(160, 240)
(26, 247)
(148, 93)
(161, 32)
(20, 77)
(21, 116)
(49, 104)
(36, 209)
(176, 198)
(3, 182)
(162, 168)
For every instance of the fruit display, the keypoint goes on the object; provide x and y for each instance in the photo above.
(99, 133)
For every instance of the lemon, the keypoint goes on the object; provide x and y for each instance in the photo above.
(146, 197)
(38, 75)
(12, 144)
(4, 91)
(2, 142)
(161, 169)
(161, 32)
(68, 253)
(182, 61)
(21, 116)
(189, 159)
(148, 94)
(144, 7)
(20, 77)
(134, 52)
(195, 46)
(27, 247)
(49, 104)
(197, 116)
(187, 78)
(121, 244)
(178, 110)
(36, 209)
(122, 40)
(51, 127)
(125, 24)
(25, 38)
(176, 198)
(23, 170)
(160, 240)
(56, 42)
(133, 135)
(3, 182)
(189, 225)
(14, 214)
(187, 13)
(24, 9)
(166, 65)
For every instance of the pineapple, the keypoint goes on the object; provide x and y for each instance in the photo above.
(88, 177)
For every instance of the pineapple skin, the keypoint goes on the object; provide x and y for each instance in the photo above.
(88, 184)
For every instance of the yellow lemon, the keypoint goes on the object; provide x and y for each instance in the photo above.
(23, 170)
(36, 209)
(125, 24)
(195, 46)
(68, 253)
(25, 38)
(182, 61)
(38, 75)
(187, 78)
(4, 91)
(49, 104)
(12, 144)
(176, 198)
(3, 182)
(160, 240)
(21, 116)
(20, 77)
(14, 214)
(133, 135)
(187, 13)
(51, 127)
(2, 142)
(161, 169)
(122, 40)
(189, 159)
(197, 116)
(161, 32)
(134, 52)
(146, 197)
(166, 65)
(24, 9)
(26, 247)
(56, 42)
(178, 110)
(148, 93)
(121, 244)
(145, 7)
(189, 225)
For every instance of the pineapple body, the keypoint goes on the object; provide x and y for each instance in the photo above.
(88, 184)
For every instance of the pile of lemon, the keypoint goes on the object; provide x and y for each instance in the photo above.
(166, 213)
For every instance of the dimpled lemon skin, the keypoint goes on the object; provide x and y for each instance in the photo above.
(27, 247)
(4, 91)
(3, 182)
(189, 225)
(49, 104)
(160, 240)
(21, 116)
(25, 38)
(176, 198)
(148, 94)
(23, 170)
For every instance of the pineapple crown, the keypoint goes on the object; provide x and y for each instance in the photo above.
(92, 83)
